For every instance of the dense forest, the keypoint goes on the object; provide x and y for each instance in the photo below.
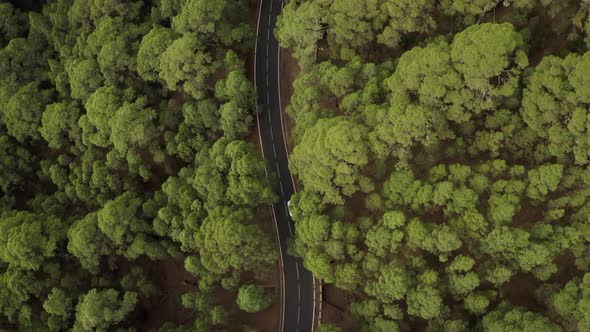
(124, 144)
(443, 152)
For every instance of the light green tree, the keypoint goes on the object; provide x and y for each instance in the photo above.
(100, 309)
(253, 298)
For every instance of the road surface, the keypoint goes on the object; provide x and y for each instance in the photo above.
(297, 310)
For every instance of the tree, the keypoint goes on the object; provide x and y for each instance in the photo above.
(253, 298)
(60, 125)
(405, 17)
(246, 183)
(199, 17)
(351, 24)
(152, 46)
(313, 231)
(366, 309)
(84, 77)
(508, 318)
(17, 287)
(132, 126)
(573, 301)
(235, 121)
(28, 239)
(114, 43)
(118, 216)
(543, 180)
(88, 243)
(24, 112)
(98, 310)
(14, 23)
(470, 10)
(16, 164)
(478, 63)
(300, 26)
(58, 303)
(477, 303)
(166, 9)
(231, 172)
(402, 126)
(319, 264)
(235, 87)
(186, 65)
(226, 241)
(330, 157)
(391, 285)
(112, 151)
(554, 91)
(101, 107)
(347, 276)
(425, 300)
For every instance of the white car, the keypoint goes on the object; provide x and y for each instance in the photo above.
(289, 209)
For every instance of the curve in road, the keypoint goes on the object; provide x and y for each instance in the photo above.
(297, 307)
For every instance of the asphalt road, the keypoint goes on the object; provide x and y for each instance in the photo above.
(298, 306)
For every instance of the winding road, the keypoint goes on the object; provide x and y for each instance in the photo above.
(297, 307)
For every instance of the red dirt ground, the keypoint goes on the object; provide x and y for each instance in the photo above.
(264, 321)
(169, 276)
(336, 309)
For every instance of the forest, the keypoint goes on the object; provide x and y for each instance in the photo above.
(125, 147)
(443, 151)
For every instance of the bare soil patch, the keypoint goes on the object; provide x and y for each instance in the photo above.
(520, 290)
(172, 280)
(264, 321)
(336, 306)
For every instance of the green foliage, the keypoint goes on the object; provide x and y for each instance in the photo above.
(572, 302)
(508, 318)
(391, 285)
(486, 51)
(28, 239)
(185, 65)
(199, 17)
(100, 107)
(438, 172)
(544, 180)
(132, 126)
(406, 17)
(252, 298)
(466, 172)
(14, 23)
(119, 216)
(328, 327)
(24, 110)
(16, 164)
(121, 127)
(59, 125)
(555, 91)
(334, 172)
(225, 241)
(84, 77)
(58, 303)
(88, 243)
(300, 26)
(152, 46)
(98, 310)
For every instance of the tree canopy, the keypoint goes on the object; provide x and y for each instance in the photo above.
(441, 156)
(123, 154)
